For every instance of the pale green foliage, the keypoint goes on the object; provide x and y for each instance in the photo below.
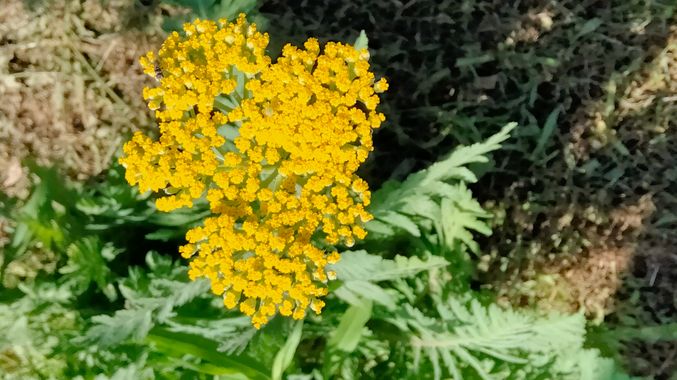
(27, 343)
(435, 202)
(362, 266)
(150, 299)
(588, 365)
(347, 334)
(396, 309)
(361, 42)
(359, 272)
(125, 324)
(474, 341)
(136, 371)
(212, 9)
(285, 356)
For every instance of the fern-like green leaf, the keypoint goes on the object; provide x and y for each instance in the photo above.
(359, 272)
(87, 264)
(362, 266)
(233, 334)
(109, 331)
(470, 340)
(149, 301)
(394, 195)
(435, 202)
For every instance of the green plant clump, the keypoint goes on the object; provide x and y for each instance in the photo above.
(93, 286)
(393, 313)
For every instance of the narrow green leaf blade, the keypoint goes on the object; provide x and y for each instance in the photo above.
(180, 344)
(349, 331)
(546, 133)
(285, 356)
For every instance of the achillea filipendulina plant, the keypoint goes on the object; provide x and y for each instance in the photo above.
(273, 147)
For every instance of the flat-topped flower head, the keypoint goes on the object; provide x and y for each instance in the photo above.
(276, 160)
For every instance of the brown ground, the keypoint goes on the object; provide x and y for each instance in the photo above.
(70, 83)
(587, 281)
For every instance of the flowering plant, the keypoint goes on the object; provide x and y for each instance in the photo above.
(272, 146)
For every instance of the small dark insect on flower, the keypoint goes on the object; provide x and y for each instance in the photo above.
(158, 72)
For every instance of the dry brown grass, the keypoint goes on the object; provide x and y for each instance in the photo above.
(70, 84)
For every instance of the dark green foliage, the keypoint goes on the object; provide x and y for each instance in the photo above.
(591, 167)
(89, 224)
(460, 69)
(87, 264)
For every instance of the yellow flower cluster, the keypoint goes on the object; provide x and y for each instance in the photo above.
(195, 68)
(283, 185)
